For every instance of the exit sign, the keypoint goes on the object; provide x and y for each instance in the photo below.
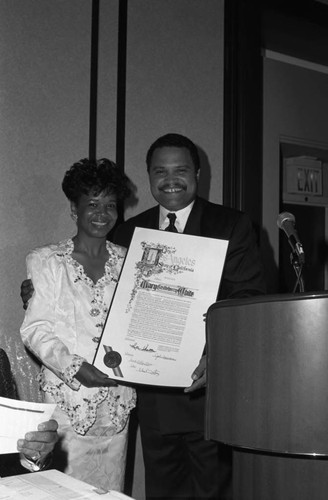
(305, 181)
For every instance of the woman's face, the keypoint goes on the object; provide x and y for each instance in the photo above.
(96, 215)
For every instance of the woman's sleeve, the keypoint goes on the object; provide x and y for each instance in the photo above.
(40, 330)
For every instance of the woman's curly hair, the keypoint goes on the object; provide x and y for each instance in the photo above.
(92, 177)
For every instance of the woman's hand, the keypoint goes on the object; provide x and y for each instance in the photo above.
(89, 376)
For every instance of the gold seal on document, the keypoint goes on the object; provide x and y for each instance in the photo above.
(112, 359)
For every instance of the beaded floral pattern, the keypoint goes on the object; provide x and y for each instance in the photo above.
(71, 371)
(98, 308)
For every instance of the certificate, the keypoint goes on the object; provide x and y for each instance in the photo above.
(155, 329)
(19, 417)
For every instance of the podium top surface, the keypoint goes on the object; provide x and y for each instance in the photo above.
(271, 298)
(268, 373)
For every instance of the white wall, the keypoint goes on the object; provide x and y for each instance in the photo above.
(174, 83)
(44, 89)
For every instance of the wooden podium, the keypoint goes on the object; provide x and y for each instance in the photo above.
(267, 393)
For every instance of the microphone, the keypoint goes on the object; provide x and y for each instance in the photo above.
(286, 222)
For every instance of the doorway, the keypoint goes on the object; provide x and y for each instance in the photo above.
(304, 194)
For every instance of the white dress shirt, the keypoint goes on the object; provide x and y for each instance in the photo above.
(181, 220)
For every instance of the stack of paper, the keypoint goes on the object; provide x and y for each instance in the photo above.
(52, 484)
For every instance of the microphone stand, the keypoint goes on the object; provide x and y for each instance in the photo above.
(298, 268)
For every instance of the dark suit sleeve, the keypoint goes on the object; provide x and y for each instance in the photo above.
(123, 234)
(242, 274)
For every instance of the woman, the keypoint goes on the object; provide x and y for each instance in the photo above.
(74, 282)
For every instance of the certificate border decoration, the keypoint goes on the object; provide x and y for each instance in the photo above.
(152, 263)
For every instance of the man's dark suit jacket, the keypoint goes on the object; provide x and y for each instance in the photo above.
(178, 412)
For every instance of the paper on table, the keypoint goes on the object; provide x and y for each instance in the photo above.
(51, 485)
(155, 329)
(19, 417)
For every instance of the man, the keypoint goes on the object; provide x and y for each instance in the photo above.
(36, 447)
(179, 462)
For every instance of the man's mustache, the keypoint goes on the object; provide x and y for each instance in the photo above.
(176, 185)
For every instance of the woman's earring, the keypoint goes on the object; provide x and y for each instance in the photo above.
(74, 216)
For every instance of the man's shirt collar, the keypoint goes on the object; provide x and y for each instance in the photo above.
(181, 220)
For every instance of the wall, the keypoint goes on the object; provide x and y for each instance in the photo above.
(44, 85)
(174, 83)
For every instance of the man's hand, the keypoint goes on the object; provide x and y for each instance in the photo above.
(26, 292)
(38, 444)
(89, 376)
(198, 376)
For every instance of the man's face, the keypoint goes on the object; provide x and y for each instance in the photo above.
(173, 178)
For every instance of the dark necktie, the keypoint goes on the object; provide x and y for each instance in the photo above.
(171, 227)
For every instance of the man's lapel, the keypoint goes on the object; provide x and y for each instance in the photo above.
(148, 219)
(153, 219)
(193, 225)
